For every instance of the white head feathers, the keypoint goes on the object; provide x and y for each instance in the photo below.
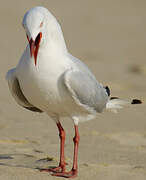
(39, 19)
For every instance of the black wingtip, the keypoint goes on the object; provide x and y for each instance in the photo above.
(107, 90)
(114, 98)
(136, 101)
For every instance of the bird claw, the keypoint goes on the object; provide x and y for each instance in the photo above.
(70, 174)
(59, 169)
(55, 169)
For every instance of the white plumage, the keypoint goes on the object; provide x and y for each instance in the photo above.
(49, 79)
(59, 83)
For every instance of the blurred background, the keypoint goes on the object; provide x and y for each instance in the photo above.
(110, 37)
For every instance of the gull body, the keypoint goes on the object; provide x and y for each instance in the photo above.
(49, 79)
(44, 84)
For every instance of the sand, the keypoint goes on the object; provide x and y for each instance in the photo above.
(110, 37)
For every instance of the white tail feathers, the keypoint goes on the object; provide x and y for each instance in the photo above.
(115, 103)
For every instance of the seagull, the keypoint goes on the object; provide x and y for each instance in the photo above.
(49, 79)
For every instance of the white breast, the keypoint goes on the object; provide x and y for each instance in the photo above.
(42, 84)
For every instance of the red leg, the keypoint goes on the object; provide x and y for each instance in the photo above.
(76, 140)
(61, 167)
(74, 170)
(62, 142)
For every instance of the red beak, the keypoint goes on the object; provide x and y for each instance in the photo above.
(34, 46)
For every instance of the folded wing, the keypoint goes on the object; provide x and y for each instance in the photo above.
(17, 93)
(85, 90)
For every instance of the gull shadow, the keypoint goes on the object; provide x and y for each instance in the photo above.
(26, 161)
(3, 156)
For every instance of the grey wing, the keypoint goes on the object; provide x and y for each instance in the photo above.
(16, 92)
(85, 90)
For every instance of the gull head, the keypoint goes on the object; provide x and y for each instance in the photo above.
(43, 30)
(34, 25)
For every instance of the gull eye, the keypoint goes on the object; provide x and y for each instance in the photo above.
(41, 24)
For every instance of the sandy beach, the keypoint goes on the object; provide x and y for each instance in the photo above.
(110, 37)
